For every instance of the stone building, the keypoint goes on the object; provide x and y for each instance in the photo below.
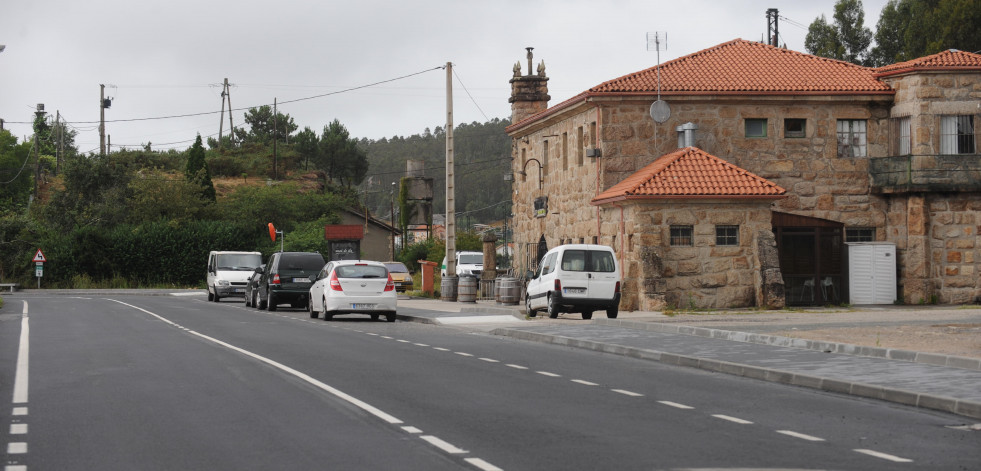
(828, 154)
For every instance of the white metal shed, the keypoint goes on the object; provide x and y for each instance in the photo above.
(872, 272)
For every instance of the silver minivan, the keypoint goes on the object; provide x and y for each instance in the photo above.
(575, 278)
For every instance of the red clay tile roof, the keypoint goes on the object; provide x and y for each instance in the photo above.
(741, 66)
(690, 173)
(951, 59)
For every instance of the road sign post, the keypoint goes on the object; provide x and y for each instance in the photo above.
(39, 266)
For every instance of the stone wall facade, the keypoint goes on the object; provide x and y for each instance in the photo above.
(936, 233)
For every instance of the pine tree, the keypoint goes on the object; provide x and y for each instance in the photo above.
(197, 170)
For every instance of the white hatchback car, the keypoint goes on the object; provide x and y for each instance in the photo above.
(353, 287)
(575, 278)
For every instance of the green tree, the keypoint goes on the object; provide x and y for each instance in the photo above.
(306, 145)
(847, 39)
(339, 155)
(264, 127)
(16, 182)
(197, 169)
(156, 197)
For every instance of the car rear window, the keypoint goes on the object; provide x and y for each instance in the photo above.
(588, 260)
(396, 268)
(302, 261)
(361, 271)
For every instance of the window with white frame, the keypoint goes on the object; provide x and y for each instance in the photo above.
(957, 134)
(682, 236)
(904, 143)
(852, 138)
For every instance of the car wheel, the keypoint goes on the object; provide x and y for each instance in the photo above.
(211, 296)
(611, 312)
(271, 302)
(587, 315)
(313, 314)
(553, 308)
(390, 317)
(374, 317)
(328, 316)
(260, 304)
(248, 300)
(531, 312)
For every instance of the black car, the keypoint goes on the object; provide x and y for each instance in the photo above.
(252, 285)
(286, 279)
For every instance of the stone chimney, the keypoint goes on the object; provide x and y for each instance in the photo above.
(529, 93)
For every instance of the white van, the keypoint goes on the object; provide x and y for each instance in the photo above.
(467, 263)
(575, 278)
(228, 273)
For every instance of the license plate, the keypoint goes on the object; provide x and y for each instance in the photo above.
(301, 280)
(239, 290)
(362, 306)
(574, 290)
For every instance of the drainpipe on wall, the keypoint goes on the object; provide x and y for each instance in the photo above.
(623, 231)
(599, 168)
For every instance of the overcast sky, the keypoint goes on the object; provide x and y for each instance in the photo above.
(161, 59)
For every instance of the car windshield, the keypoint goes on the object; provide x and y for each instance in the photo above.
(239, 261)
(361, 271)
(396, 268)
(472, 259)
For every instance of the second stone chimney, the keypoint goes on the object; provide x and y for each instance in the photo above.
(529, 93)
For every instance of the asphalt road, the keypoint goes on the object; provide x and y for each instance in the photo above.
(134, 382)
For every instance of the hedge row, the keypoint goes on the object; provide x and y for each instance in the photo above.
(149, 254)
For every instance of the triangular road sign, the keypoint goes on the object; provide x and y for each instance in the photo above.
(39, 256)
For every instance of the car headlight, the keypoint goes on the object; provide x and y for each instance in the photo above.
(224, 283)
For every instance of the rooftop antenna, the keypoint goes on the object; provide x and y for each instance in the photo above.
(772, 27)
(660, 111)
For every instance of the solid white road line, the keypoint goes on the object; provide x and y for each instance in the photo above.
(885, 456)
(801, 436)
(676, 405)
(732, 419)
(442, 445)
(23, 354)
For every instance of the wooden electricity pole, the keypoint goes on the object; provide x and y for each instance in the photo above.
(102, 119)
(450, 178)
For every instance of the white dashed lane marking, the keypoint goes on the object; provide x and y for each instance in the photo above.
(550, 375)
(584, 382)
(675, 405)
(885, 456)
(802, 436)
(627, 393)
(732, 419)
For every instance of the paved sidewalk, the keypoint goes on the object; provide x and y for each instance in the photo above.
(938, 382)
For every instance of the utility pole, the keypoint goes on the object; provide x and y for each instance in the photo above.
(221, 124)
(450, 196)
(275, 156)
(392, 200)
(102, 119)
(61, 141)
(37, 152)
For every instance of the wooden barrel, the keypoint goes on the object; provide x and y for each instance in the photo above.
(508, 290)
(468, 289)
(447, 288)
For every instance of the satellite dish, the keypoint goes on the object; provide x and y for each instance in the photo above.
(660, 111)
